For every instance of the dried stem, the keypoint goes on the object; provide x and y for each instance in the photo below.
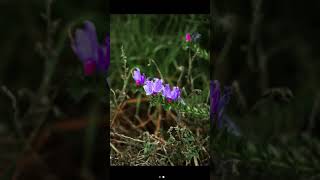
(126, 137)
(157, 67)
(254, 29)
(16, 112)
(191, 59)
(315, 110)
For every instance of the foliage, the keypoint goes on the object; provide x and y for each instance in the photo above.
(182, 147)
(290, 157)
(170, 132)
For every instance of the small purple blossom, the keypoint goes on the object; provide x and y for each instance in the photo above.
(188, 37)
(193, 37)
(218, 102)
(171, 95)
(93, 56)
(138, 77)
(153, 87)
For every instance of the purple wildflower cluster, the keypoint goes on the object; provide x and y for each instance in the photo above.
(218, 101)
(95, 57)
(155, 86)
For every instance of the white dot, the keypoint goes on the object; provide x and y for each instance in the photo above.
(163, 177)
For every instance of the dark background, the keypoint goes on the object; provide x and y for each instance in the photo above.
(287, 32)
(57, 129)
(268, 51)
(280, 51)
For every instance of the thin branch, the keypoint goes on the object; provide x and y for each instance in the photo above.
(115, 149)
(126, 137)
(157, 67)
(16, 112)
(254, 29)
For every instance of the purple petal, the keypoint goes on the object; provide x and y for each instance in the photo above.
(85, 43)
(104, 56)
(214, 95)
(92, 35)
(81, 45)
(103, 62)
(157, 85)
(107, 52)
(148, 87)
(142, 79)
(175, 94)
(217, 103)
(166, 92)
(136, 74)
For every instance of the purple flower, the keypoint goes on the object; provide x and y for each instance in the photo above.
(218, 102)
(175, 94)
(166, 92)
(171, 95)
(138, 77)
(153, 87)
(157, 85)
(188, 37)
(193, 37)
(85, 45)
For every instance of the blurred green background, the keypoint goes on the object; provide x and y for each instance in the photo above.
(157, 37)
(136, 41)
